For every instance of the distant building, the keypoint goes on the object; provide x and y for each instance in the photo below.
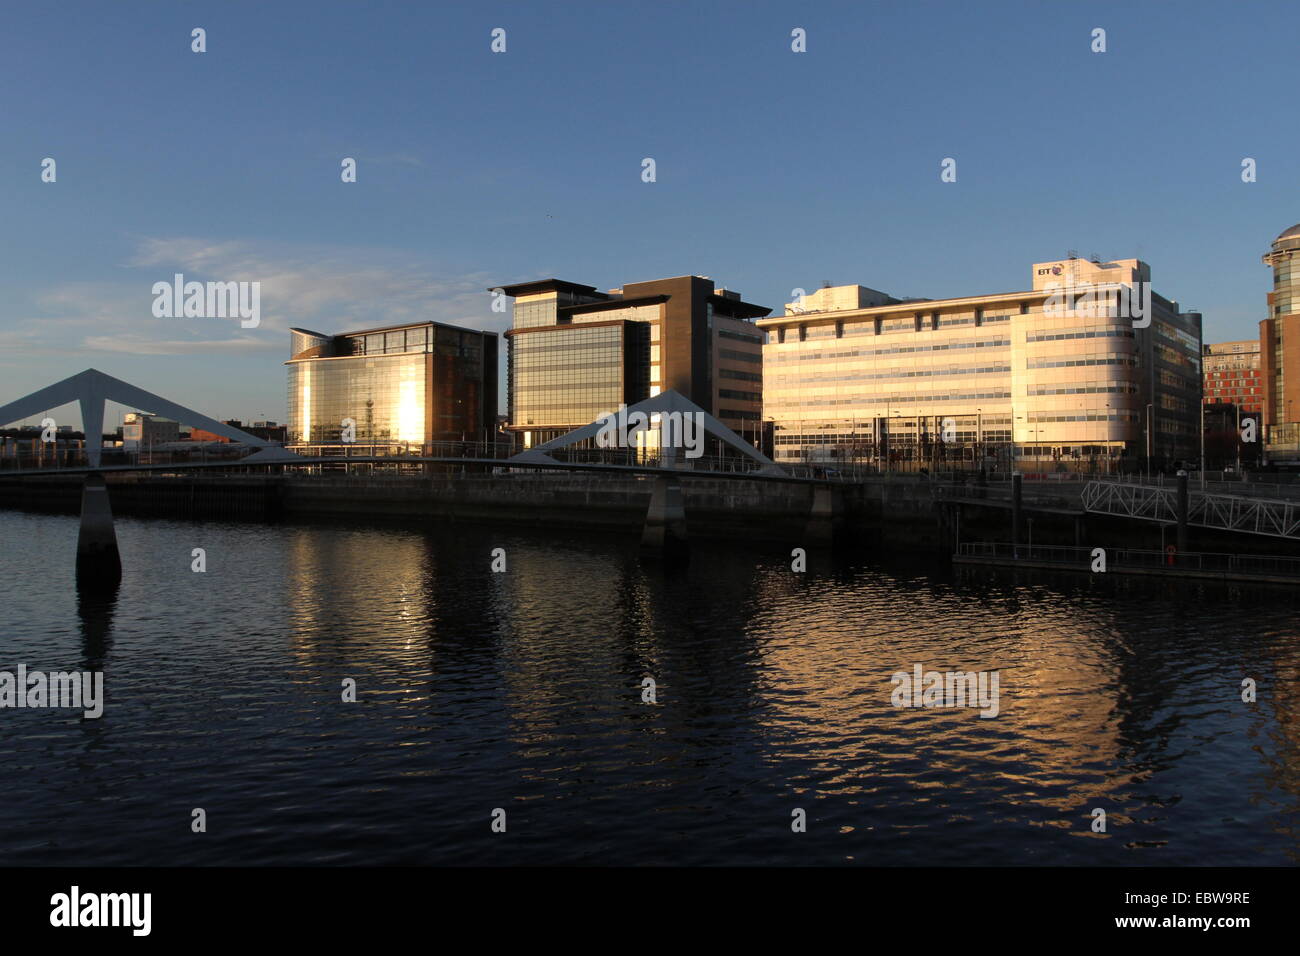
(268, 431)
(1233, 376)
(576, 353)
(1279, 340)
(142, 431)
(405, 384)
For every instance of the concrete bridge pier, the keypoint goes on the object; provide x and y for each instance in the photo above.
(664, 534)
(98, 561)
(826, 516)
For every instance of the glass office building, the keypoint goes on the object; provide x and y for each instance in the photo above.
(576, 353)
(575, 374)
(1051, 378)
(408, 385)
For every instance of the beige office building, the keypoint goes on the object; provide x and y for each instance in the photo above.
(1059, 375)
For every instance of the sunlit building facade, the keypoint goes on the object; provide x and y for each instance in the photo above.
(1279, 345)
(1232, 375)
(1043, 375)
(576, 353)
(142, 431)
(408, 385)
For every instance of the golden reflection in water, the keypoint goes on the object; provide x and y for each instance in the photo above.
(829, 649)
(753, 658)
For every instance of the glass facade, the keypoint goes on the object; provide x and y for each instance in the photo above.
(576, 353)
(567, 376)
(385, 397)
(534, 310)
(1286, 283)
(407, 385)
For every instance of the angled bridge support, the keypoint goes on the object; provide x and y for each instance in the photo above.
(98, 561)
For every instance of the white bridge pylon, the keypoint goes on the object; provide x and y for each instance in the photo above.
(665, 403)
(92, 388)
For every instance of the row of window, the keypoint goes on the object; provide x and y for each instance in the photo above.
(1127, 388)
(1123, 417)
(1089, 334)
(892, 374)
(755, 358)
(896, 400)
(778, 357)
(886, 326)
(1073, 363)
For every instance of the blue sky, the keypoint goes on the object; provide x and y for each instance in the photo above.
(775, 170)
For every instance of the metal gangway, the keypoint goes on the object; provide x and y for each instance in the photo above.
(1272, 517)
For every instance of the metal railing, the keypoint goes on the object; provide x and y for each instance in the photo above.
(1273, 517)
(1133, 558)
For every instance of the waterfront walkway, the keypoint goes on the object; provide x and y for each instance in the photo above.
(1255, 569)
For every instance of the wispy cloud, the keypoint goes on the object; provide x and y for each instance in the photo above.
(327, 288)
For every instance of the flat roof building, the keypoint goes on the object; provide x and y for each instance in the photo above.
(1232, 375)
(142, 431)
(576, 353)
(411, 384)
(1060, 374)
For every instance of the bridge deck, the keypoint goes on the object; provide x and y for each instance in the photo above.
(338, 462)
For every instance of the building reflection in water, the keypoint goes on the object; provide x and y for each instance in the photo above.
(764, 676)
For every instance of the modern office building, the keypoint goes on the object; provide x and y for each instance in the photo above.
(408, 385)
(1232, 375)
(1057, 374)
(576, 353)
(1279, 341)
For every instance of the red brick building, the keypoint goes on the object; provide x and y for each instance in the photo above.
(1233, 375)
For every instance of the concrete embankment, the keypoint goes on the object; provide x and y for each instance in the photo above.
(713, 506)
(897, 513)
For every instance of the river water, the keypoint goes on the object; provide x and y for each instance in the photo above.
(522, 691)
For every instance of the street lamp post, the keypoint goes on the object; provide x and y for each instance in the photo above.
(1290, 428)
(1238, 441)
(1148, 429)
(896, 415)
(1106, 445)
(1203, 440)
(887, 438)
(1014, 419)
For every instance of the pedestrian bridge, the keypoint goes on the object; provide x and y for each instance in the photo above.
(1271, 517)
(98, 559)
